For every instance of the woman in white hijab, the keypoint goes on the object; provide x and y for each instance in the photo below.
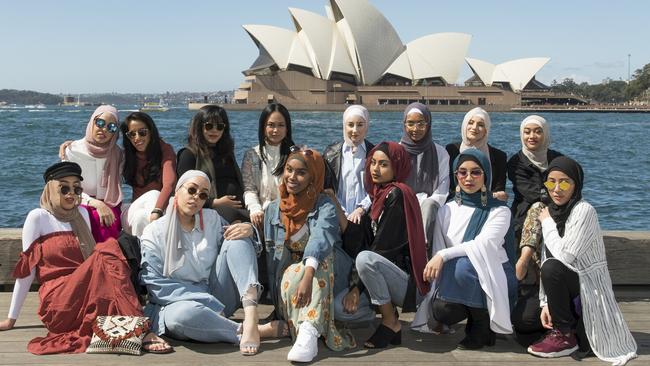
(198, 270)
(475, 132)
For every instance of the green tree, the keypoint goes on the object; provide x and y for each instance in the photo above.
(639, 84)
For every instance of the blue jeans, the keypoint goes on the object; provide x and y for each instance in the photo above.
(235, 271)
(386, 282)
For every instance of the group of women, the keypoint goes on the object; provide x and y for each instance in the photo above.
(335, 238)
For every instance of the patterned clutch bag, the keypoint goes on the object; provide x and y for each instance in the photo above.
(118, 334)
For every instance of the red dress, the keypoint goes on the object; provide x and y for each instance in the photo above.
(74, 292)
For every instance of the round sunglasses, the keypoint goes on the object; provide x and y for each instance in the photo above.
(220, 126)
(110, 126)
(76, 190)
(141, 132)
(193, 191)
(475, 173)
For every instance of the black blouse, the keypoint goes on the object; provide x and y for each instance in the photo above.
(498, 162)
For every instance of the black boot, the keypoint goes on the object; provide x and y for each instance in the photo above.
(477, 331)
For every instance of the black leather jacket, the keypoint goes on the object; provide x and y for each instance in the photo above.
(332, 156)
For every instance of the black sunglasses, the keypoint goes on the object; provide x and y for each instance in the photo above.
(296, 148)
(210, 125)
(141, 132)
(193, 191)
(76, 190)
(110, 127)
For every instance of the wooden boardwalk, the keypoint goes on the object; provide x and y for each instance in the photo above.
(416, 349)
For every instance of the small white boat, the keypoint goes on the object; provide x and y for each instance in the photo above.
(159, 106)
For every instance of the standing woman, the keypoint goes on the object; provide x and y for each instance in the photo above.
(526, 168)
(263, 164)
(211, 149)
(300, 229)
(429, 176)
(475, 279)
(391, 267)
(576, 286)
(475, 132)
(346, 161)
(198, 270)
(79, 279)
(150, 168)
(101, 163)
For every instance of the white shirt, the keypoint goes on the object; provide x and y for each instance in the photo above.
(351, 193)
(38, 223)
(91, 170)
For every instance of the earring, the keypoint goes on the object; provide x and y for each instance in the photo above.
(483, 196)
(457, 196)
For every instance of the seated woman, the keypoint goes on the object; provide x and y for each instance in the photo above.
(150, 168)
(101, 162)
(475, 279)
(211, 149)
(300, 229)
(198, 270)
(391, 264)
(429, 177)
(475, 132)
(526, 168)
(346, 161)
(575, 280)
(59, 250)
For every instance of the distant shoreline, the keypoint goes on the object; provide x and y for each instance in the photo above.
(438, 108)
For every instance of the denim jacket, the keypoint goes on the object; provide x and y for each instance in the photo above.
(324, 236)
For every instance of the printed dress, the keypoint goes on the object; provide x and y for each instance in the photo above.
(320, 312)
(75, 291)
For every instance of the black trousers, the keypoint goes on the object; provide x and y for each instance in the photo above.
(478, 319)
(525, 316)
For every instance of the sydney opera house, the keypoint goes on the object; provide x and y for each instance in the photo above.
(354, 55)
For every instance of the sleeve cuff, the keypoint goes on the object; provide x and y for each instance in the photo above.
(311, 262)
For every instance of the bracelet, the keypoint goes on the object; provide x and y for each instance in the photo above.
(157, 211)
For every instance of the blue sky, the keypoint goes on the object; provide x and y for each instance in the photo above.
(155, 46)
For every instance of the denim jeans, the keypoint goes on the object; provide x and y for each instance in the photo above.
(235, 271)
(386, 282)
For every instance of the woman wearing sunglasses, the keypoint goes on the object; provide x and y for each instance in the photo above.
(211, 149)
(61, 253)
(473, 273)
(150, 168)
(578, 304)
(101, 163)
(300, 230)
(198, 270)
(475, 131)
(429, 176)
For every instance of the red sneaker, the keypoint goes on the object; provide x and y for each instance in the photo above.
(555, 344)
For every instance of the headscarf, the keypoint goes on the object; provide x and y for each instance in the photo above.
(51, 202)
(295, 208)
(401, 164)
(482, 211)
(111, 174)
(538, 157)
(355, 110)
(481, 144)
(571, 168)
(174, 256)
(424, 157)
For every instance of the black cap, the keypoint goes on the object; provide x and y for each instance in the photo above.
(62, 169)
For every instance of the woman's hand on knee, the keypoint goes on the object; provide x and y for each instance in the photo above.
(238, 231)
(303, 293)
(545, 317)
(106, 216)
(433, 268)
(351, 301)
(7, 324)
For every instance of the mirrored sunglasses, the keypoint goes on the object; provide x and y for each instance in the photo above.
(110, 126)
(563, 185)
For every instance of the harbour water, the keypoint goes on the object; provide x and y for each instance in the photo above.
(609, 146)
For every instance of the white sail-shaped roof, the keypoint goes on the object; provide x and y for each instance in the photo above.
(438, 55)
(374, 40)
(518, 73)
(323, 43)
(281, 44)
(401, 66)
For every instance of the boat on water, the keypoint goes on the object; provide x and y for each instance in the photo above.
(159, 106)
(35, 106)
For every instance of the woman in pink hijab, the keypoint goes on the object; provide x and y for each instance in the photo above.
(101, 164)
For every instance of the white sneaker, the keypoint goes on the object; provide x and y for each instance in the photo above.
(306, 346)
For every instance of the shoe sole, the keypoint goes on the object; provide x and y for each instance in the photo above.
(563, 353)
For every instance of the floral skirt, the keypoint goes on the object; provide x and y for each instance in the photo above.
(320, 311)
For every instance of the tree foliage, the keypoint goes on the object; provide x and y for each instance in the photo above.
(640, 83)
(12, 96)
